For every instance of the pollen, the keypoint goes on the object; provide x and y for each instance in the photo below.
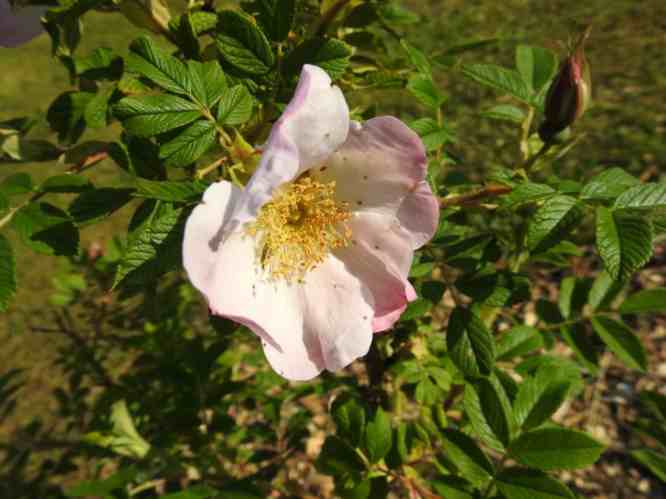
(299, 227)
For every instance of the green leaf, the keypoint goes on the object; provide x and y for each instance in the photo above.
(556, 449)
(539, 396)
(645, 301)
(378, 436)
(581, 343)
(622, 342)
(197, 492)
(469, 342)
(97, 204)
(489, 410)
(518, 341)
(624, 241)
(536, 65)
(608, 184)
(645, 196)
(189, 145)
(7, 274)
(338, 458)
(603, 291)
(417, 58)
(349, 417)
(46, 229)
(18, 183)
(425, 90)
(505, 112)
(331, 55)
(655, 403)
(573, 296)
(201, 21)
(527, 192)
(432, 134)
(161, 68)
(467, 456)
(210, 81)
(155, 248)
(276, 17)
(66, 115)
(451, 487)
(502, 79)
(174, 191)
(553, 221)
(495, 289)
(150, 115)
(242, 43)
(235, 106)
(66, 182)
(653, 461)
(103, 488)
(415, 309)
(520, 483)
(97, 109)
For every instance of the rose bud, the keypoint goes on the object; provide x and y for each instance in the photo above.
(568, 94)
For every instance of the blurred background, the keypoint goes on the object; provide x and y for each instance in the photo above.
(626, 127)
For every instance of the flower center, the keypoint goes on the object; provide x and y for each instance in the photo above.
(299, 227)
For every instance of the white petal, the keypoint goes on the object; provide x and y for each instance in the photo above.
(312, 127)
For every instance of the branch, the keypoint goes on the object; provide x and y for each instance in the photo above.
(473, 198)
(321, 26)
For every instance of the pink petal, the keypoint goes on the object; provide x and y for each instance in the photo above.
(314, 124)
(19, 26)
(381, 257)
(381, 168)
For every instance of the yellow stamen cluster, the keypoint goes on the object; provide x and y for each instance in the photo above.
(299, 227)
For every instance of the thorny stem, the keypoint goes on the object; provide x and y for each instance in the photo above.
(209, 168)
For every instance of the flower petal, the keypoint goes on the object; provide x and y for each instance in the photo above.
(20, 26)
(312, 127)
(381, 257)
(381, 168)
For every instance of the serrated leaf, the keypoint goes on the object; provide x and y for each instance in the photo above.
(7, 274)
(425, 90)
(645, 301)
(378, 436)
(331, 55)
(242, 43)
(432, 134)
(46, 229)
(174, 191)
(496, 289)
(608, 184)
(96, 110)
(505, 112)
(417, 58)
(553, 221)
(653, 461)
(415, 309)
(97, 204)
(581, 343)
(212, 78)
(452, 487)
(189, 145)
(349, 416)
(201, 21)
(645, 196)
(103, 488)
(536, 65)
(66, 115)
(556, 449)
(622, 342)
(65, 183)
(538, 398)
(573, 296)
(624, 241)
(276, 17)
(520, 483)
(502, 79)
(469, 342)
(161, 68)
(338, 458)
(467, 456)
(527, 192)
(18, 183)
(155, 248)
(489, 410)
(518, 341)
(150, 115)
(235, 106)
(604, 290)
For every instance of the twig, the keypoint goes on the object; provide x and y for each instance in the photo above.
(321, 26)
(472, 198)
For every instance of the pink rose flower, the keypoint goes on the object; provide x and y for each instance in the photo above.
(19, 26)
(313, 254)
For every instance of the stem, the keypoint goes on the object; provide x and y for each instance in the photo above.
(530, 162)
(472, 198)
(525, 135)
(209, 168)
